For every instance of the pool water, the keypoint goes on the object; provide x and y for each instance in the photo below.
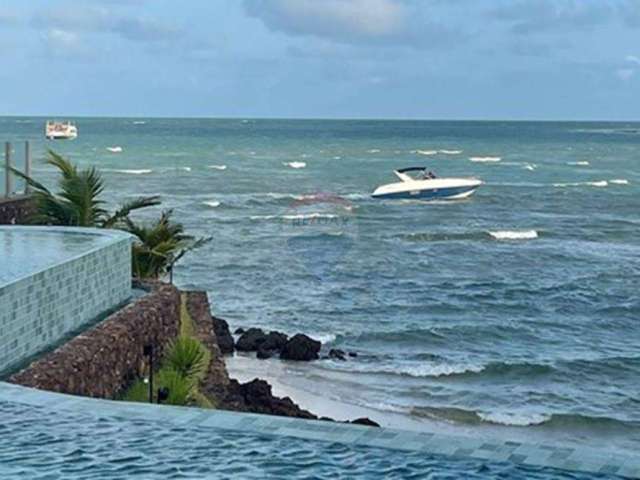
(28, 250)
(38, 445)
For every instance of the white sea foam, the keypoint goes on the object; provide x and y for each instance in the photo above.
(485, 159)
(186, 169)
(582, 163)
(138, 122)
(300, 216)
(115, 149)
(374, 150)
(425, 152)
(212, 204)
(417, 370)
(218, 167)
(142, 171)
(514, 419)
(530, 166)
(337, 157)
(598, 183)
(323, 337)
(620, 181)
(451, 152)
(295, 164)
(514, 234)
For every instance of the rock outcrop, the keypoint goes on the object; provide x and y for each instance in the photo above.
(223, 334)
(301, 347)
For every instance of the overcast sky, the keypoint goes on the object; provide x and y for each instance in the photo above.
(440, 59)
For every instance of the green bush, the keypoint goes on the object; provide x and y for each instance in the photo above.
(179, 386)
(188, 357)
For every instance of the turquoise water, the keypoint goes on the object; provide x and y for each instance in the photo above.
(515, 309)
(38, 445)
(24, 252)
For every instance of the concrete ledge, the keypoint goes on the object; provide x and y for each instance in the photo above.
(536, 455)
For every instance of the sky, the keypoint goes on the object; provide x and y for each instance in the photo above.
(405, 59)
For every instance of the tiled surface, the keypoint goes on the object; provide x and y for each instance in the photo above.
(37, 310)
(568, 458)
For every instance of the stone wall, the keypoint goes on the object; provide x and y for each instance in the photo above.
(103, 360)
(16, 211)
(216, 383)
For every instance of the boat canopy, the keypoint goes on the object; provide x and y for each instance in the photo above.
(411, 169)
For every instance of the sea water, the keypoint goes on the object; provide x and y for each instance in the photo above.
(516, 308)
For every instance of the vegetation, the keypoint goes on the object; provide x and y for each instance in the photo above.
(158, 246)
(182, 370)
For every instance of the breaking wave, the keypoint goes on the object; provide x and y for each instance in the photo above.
(451, 152)
(425, 152)
(514, 234)
(212, 204)
(597, 183)
(485, 159)
(619, 181)
(141, 171)
(218, 167)
(295, 164)
(583, 163)
(564, 421)
(115, 149)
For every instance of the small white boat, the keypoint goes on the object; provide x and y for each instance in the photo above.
(60, 130)
(426, 186)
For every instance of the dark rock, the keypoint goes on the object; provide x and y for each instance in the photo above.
(300, 347)
(250, 340)
(353, 354)
(221, 329)
(256, 397)
(275, 341)
(239, 331)
(337, 354)
(365, 421)
(263, 353)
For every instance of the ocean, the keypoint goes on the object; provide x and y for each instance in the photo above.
(514, 310)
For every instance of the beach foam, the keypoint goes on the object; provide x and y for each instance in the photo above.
(514, 234)
(514, 419)
(485, 159)
(295, 164)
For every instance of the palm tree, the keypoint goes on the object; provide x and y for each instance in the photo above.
(78, 201)
(159, 246)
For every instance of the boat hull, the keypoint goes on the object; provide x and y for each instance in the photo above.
(450, 193)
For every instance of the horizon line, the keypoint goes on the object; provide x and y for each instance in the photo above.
(304, 118)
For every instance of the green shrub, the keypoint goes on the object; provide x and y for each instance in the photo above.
(179, 386)
(188, 357)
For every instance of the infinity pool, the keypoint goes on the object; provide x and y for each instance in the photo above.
(55, 279)
(24, 251)
(38, 445)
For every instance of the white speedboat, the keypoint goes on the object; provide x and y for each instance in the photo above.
(426, 186)
(60, 130)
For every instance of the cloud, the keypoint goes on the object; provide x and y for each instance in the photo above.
(102, 20)
(528, 17)
(360, 22)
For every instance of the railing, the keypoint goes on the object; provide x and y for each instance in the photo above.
(12, 184)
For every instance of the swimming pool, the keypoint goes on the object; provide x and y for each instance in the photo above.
(48, 435)
(55, 279)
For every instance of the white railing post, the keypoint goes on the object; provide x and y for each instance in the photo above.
(7, 167)
(27, 164)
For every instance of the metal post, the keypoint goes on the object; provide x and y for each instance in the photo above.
(7, 167)
(27, 164)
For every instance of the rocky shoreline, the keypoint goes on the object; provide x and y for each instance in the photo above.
(255, 396)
